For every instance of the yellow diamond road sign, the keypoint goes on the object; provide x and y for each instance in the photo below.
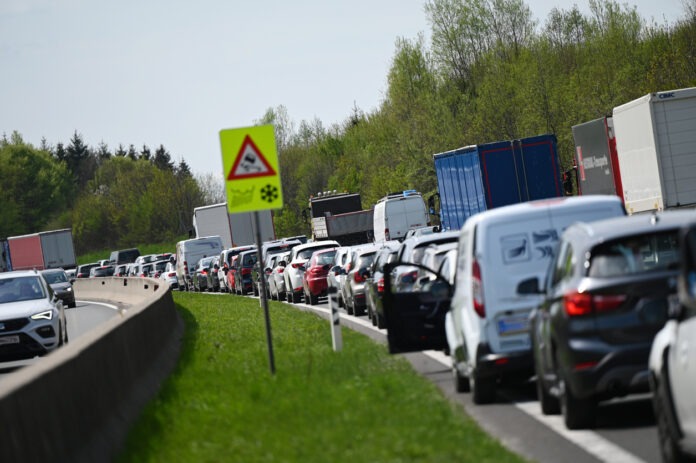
(250, 165)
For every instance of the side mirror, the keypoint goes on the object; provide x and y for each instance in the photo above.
(72, 280)
(529, 286)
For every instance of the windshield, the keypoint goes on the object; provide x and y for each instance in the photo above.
(55, 277)
(20, 289)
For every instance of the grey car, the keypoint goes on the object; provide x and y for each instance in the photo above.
(606, 296)
(32, 318)
(60, 283)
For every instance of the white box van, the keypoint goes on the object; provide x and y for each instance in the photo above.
(395, 214)
(487, 325)
(189, 252)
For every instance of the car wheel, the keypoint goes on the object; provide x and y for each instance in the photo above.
(668, 432)
(482, 389)
(380, 321)
(72, 305)
(461, 383)
(349, 308)
(313, 300)
(577, 413)
(549, 404)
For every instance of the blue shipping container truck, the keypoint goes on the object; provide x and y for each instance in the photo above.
(480, 177)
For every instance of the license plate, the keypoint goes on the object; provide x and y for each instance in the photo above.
(9, 340)
(513, 325)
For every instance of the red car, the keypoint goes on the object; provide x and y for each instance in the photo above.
(316, 271)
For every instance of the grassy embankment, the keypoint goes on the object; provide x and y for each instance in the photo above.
(361, 404)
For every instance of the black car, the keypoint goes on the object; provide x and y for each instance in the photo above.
(243, 266)
(606, 295)
(61, 285)
(374, 283)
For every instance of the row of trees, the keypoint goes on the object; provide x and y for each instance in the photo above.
(109, 199)
(490, 72)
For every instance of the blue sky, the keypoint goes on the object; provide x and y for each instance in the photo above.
(176, 72)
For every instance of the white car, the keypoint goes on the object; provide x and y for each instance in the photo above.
(498, 249)
(672, 366)
(293, 273)
(32, 317)
(169, 275)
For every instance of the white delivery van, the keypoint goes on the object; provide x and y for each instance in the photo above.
(396, 213)
(487, 325)
(189, 252)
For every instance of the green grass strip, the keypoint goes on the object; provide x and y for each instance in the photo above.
(362, 404)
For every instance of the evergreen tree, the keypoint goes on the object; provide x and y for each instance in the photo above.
(120, 151)
(145, 153)
(163, 160)
(132, 154)
(183, 171)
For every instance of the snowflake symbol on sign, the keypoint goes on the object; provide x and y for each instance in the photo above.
(269, 193)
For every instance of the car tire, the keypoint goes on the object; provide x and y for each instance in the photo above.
(577, 413)
(72, 305)
(380, 321)
(349, 308)
(482, 389)
(461, 383)
(668, 432)
(313, 300)
(550, 405)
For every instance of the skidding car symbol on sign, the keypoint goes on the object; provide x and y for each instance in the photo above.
(250, 163)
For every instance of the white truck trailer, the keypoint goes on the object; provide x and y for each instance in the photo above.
(656, 147)
(235, 229)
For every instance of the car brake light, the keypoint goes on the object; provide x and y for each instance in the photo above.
(386, 234)
(477, 290)
(380, 285)
(246, 271)
(578, 304)
(186, 268)
(296, 265)
(281, 269)
(203, 272)
(358, 278)
(171, 274)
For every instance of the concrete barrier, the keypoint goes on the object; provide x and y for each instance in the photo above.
(78, 403)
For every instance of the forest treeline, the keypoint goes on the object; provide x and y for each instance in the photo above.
(490, 71)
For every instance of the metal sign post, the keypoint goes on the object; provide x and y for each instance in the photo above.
(336, 335)
(262, 292)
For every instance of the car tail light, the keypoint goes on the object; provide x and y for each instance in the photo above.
(380, 285)
(171, 274)
(246, 271)
(386, 234)
(296, 265)
(358, 278)
(477, 290)
(281, 269)
(186, 271)
(578, 304)
(204, 272)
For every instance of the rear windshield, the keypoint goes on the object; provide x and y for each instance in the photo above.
(307, 253)
(366, 260)
(55, 277)
(325, 258)
(249, 259)
(635, 254)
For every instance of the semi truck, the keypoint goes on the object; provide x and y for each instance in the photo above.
(48, 249)
(476, 178)
(596, 159)
(340, 217)
(656, 146)
(237, 229)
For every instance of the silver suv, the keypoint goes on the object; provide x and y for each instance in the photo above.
(32, 318)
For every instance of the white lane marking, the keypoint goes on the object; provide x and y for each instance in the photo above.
(111, 306)
(594, 444)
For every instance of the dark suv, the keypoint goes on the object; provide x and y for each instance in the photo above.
(242, 268)
(607, 294)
